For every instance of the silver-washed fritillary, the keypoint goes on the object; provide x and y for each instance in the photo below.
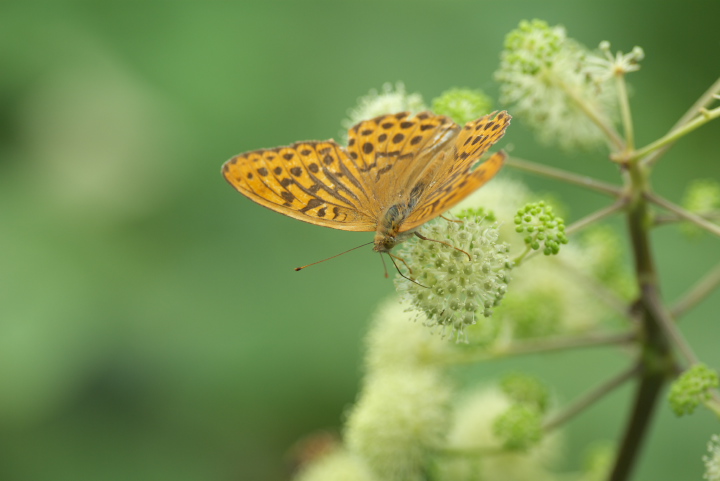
(396, 173)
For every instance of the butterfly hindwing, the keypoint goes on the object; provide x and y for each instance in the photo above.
(454, 179)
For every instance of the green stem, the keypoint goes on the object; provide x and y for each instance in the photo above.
(697, 292)
(625, 111)
(596, 117)
(599, 290)
(469, 355)
(590, 398)
(596, 216)
(710, 216)
(656, 360)
(685, 214)
(562, 175)
(701, 103)
(646, 399)
(520, 257)
(672, 136)
(669, 326)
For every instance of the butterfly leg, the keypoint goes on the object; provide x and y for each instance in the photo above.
(444, 243)
(401, 260)
(392, 258)
(452, 220)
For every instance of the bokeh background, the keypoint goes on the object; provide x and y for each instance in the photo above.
(151, 324)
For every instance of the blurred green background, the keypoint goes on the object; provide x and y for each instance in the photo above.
(151, 324)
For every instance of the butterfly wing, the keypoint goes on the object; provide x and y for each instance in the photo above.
(312, 181)
(392, 150)
(451, 177)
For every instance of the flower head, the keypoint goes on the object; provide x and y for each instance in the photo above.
(541, 74)
(448, 287)
(401, 416)
(601, 68)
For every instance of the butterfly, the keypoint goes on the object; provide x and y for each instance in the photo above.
(397, 172)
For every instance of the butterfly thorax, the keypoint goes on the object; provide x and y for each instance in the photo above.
(388, 233)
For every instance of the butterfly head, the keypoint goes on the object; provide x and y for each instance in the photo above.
(384, 242)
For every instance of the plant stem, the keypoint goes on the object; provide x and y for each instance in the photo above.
(704, 100)
(697, 292)
(468, 356)
(565, 176)
(669, 138)
(656, 360)
(596, 117)
(685, 214)
(668, 325)
(625, 110)
(711, 216)
(596, 216)
(590, 398)
(645, 401)
(600, 290)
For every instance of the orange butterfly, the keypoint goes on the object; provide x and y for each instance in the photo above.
(397, 173)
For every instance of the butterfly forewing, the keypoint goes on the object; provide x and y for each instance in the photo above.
(394, 149)
(310, 181)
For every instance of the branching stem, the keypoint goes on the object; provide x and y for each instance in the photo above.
(564, 176)
(701, 103)
(590, 398)
(697, 292)
(685, 214)
(469, 355)
(675, 134)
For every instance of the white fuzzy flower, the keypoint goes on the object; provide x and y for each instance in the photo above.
(712, 461)
(389, 100)
(541, 76)
(418, 348)
(451, 290)
(401, 416)
(473, 431)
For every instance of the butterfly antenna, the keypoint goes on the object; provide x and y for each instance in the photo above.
(392, 258)
(444, 243)
(333, 257)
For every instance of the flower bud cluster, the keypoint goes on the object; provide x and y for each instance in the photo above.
(542, 227)
(520, 426)
(462, 105)
(692, 388)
